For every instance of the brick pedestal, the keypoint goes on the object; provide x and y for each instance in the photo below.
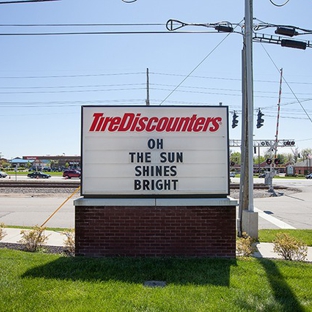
(155, 227)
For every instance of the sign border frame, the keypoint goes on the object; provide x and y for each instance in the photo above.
(156, 195)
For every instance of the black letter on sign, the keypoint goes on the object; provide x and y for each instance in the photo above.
(151, 143)
(137, 184)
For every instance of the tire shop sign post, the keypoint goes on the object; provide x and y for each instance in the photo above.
(155, 182)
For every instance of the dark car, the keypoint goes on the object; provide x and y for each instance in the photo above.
(71, 174)
(2, 174)
(38, 174)
(309, 176)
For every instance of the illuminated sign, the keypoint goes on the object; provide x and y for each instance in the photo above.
(155, 151)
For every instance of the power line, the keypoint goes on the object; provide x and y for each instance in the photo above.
(71, 87)
(140, 86)
(74, 91)
(288, 85)
(193, 70)
(143, 73)
(104, 33)
(25, 1)
(82, 24)
(277, 5)
(70, 76)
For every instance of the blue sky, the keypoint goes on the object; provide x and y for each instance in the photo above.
(44, 79)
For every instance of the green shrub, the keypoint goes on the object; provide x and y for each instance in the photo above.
(33, 239)
(2, 232)
(245, 245)
(289, 247)
(69, 241)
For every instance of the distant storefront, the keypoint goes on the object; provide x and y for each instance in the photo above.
(55, 162)
(303, 167)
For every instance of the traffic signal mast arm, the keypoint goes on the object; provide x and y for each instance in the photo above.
(266, 143)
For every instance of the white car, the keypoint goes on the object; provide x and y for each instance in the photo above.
(2, 174)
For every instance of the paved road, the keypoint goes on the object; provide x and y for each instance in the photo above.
(31, 211)
(294, 209)
(289, 210)
(24, 178)
(286, 211)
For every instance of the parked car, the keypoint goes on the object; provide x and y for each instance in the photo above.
(71, 174)
(2, 174)
(262, 175)
(232, 174)
(309, 176)
(38, 174)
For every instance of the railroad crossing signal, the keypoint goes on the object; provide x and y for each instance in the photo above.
(260, 120)
(289, 143)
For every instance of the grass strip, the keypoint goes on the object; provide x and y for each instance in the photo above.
(268, 236)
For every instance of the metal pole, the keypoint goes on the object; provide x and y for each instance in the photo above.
(259, 158)
(249, 95)
(243, 190)
(248, 218)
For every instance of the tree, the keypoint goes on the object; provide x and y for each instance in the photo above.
(305, 153)
(258, 160)
(4, 164)
(296, 154)
(290, 158)
(281, 158)
(235, 158)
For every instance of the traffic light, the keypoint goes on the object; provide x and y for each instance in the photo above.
(260, 120)
(234, 121)
(269, 161)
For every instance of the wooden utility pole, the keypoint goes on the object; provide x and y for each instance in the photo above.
(147, 88)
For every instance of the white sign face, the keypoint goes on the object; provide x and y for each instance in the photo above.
(154, 151)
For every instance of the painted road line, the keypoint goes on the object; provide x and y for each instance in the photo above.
(275, 221)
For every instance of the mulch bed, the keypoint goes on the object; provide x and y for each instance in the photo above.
(45, 249)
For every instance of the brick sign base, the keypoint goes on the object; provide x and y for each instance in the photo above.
(155, 227)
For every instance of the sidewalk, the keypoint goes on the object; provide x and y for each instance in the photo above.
(14, 235)
(265, 250)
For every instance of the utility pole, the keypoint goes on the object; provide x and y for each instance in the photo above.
(248, 218)
(147, 88)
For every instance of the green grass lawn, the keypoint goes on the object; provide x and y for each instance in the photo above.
(45, 282)
(268, 236)
(24, 173)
